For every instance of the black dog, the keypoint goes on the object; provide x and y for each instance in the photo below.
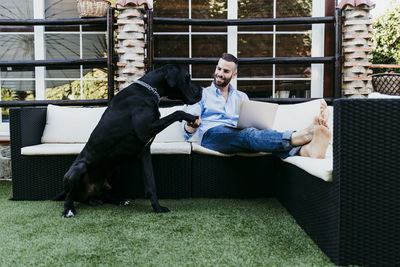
(125, 131)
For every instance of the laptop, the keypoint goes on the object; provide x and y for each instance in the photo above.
(257, 114)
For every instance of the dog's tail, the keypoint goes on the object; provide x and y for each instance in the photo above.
(60, 197)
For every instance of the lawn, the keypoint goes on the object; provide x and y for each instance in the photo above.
(197, 232)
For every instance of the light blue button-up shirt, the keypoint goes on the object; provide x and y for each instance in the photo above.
(214, 110)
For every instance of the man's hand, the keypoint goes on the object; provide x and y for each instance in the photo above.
(190, 127)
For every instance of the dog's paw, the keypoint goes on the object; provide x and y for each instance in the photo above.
(125, 203)
(161, 210)
(68, 214)
(191, 118)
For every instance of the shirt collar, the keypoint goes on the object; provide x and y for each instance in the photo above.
(231, 89)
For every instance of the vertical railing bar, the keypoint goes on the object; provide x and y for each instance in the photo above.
(150, 41)
(110, 54)
(337, 82)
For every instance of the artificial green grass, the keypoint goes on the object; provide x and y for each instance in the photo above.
(197, 232)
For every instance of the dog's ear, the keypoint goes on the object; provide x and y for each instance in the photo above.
(170, 76)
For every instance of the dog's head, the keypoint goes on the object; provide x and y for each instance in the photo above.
(180, 85)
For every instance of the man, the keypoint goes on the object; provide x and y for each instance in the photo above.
(218, 109)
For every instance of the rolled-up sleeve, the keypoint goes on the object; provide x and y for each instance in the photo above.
(195, 109)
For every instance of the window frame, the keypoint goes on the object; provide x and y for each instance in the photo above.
(40, 78)
(317, 46)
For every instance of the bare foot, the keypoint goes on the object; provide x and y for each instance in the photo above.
(323, 114)
(318, 145)
(305, 136)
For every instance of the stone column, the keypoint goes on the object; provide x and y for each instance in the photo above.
(5, 162)
(356, 47)
(131, 41)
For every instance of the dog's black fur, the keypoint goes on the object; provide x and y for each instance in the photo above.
(125, 132)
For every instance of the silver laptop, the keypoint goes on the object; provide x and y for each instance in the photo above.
(260, 115)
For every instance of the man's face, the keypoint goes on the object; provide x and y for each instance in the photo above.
(224, 73)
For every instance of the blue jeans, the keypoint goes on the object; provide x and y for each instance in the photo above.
(230, 140)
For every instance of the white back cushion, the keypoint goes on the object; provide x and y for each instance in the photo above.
(174, 132)
(296, 116)
(70, 124)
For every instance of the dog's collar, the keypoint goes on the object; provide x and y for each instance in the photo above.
(151, 89)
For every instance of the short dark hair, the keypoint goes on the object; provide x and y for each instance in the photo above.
(230, 58)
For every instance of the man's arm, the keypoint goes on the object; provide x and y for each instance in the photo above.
(190, 128)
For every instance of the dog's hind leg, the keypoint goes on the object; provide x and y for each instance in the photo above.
(149, 181)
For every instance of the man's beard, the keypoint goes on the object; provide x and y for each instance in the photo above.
(224, 82)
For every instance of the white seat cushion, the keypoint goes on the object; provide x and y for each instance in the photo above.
(70, 124)
(171, 148)
(52, 149)
(202, 150)
(321, 168)
(75, 149)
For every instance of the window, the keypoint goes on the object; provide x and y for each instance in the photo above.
(263, 80)
(50, 43)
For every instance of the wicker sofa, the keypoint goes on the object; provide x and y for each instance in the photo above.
(354, 218)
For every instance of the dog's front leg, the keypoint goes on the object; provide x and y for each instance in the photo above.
(149, 181)
(159, 125)
(69, 209)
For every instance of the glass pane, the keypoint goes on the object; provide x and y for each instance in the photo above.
(255, 88)
(248, 9)
(16, 47)
(185, 66)
(255, 70)
(293, 8)
(61, 9)
(21, 9)
(62, 46)
(5, 115)
(255, 45)
(292, 89)
(17, 72)
(17, 90)
(94, 46)
(66, 90)
(203, 70)
(293, 45)
(62, 73)
(208, 45)
(171, 46)
(293, 71)
(171, 9)
(209, 10)
(94, 89)
(97, 72)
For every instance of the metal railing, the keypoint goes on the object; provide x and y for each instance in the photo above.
(108, 62)
(336, 59)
